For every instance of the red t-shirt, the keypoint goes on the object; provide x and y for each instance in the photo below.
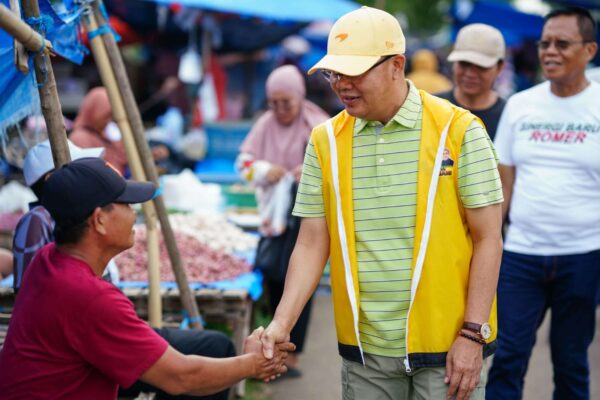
(73, 335)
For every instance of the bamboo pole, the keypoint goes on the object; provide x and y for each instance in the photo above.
(21, 56)
(20, 31)
(50, 103)
(110, 83)
(187, 298)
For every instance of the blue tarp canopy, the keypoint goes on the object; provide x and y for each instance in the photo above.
(300, 10)
(18, 92)
(515, 26)
(589, 4)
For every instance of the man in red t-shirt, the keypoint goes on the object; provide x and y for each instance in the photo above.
(35, 229)
(75, 336)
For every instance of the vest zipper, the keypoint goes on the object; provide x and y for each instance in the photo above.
(354, 304)
(426, 231)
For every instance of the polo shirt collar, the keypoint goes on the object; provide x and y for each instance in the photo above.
(407, 116)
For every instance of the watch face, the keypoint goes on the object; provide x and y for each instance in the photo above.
(486, 331)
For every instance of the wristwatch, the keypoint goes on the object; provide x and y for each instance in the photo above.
(484, 330)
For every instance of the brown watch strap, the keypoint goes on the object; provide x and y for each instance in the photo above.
(473, 327)
(472, 338)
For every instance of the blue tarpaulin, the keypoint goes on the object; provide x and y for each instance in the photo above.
(18, 92)
(515, 26)
(301, 10)
(589, 4)
(251, 282)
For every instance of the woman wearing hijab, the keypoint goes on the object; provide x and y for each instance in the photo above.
(92, 128)
(274, 151)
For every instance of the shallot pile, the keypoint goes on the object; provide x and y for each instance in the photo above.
(214, 231)
(202, 264)
(8, 221)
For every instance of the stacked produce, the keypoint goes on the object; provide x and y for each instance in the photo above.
(202, 263)
(8, 221)
(214, 231)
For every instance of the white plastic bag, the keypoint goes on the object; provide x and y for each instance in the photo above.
(276, 210)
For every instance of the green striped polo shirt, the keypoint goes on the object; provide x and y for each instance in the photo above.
(384, 190)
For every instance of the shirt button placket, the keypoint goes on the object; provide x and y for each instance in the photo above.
(382, 179)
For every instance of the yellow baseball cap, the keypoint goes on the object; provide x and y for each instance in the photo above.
(359, 39)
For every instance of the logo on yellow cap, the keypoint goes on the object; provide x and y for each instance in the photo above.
(342, 36)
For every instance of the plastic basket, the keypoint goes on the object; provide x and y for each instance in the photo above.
(225, 138)
(217, 170)
(239, 196)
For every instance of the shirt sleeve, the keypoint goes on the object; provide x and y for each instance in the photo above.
(31, 234)
(111, 337)
(478, 178)
(309, 200)
(503, 141)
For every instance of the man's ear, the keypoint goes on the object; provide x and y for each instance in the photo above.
(399, 62)
(500, 65)
(591, 49)
(98, 221)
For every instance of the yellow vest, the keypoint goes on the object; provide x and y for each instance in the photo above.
(440, 270)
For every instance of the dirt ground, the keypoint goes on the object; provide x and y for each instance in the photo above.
(321, 364)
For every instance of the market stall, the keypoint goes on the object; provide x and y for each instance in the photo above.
(217, 257)
(223, 290)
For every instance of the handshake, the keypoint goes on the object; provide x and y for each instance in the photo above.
(268, 355)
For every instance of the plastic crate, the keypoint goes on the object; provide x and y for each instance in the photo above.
(217, 170)
(225, 138)
(239, 196)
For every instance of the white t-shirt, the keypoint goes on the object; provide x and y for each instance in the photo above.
(554, 144)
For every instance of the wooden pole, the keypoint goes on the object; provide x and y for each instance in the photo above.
(21, 32)
(135, 119)
(120, 117)
(21, 56)
(50, 103)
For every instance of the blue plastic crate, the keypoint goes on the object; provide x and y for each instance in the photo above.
(217, 170)
(225, 138)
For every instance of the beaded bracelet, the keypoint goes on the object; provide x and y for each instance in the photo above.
(471, 337)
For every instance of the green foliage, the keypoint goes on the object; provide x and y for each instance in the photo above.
(256, 390)
(421, 17)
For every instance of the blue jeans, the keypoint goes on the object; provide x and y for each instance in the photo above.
(529, 285)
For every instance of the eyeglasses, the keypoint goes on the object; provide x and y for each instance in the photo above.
(559, 44)
(332, 76)
(284, 104)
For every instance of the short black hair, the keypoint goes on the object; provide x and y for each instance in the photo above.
(585, 21)
(72, 233)
(38, 187)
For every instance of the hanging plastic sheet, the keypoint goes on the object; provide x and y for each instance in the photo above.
(19, 96)
(305, 10)
(515, 26)
(18, 92)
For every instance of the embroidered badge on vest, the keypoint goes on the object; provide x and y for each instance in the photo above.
(447, 164)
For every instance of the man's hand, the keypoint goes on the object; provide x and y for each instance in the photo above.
(160, 152)
(297, 172)
(267, 369)
(463, 367)
(274, 334)
(275, 173)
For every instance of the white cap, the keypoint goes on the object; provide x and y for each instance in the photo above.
(478, 44)
(39, 162)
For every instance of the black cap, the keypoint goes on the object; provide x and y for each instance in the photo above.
(73, 191)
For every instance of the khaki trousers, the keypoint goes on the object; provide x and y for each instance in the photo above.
(385, 378)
